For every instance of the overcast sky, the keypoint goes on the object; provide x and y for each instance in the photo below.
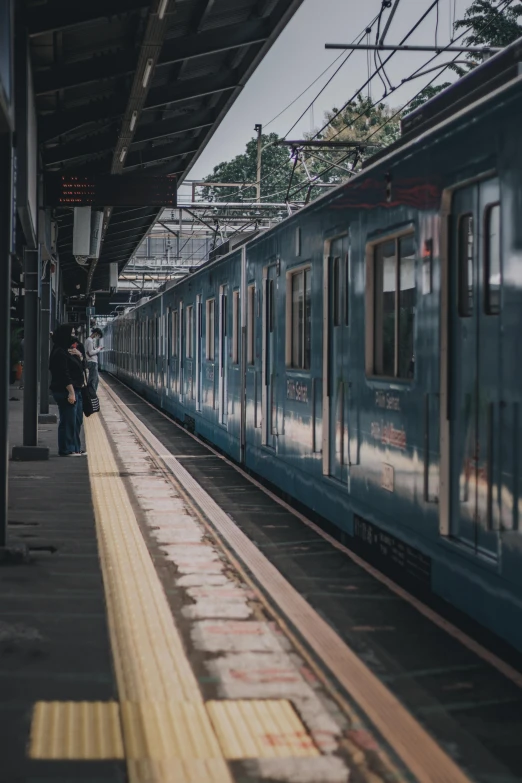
(298, 57)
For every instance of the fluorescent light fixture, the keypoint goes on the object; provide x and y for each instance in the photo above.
(147, 71)
(122, 154)
(162, 8)
(134, 117)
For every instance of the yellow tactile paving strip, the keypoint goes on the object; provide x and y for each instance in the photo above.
(88, 731)
(153, 674)
(260, 729)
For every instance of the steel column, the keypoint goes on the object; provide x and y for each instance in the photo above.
(45, 328)
(6, 213)
(31, 347)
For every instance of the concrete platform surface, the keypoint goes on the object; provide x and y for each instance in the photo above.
(54, 643)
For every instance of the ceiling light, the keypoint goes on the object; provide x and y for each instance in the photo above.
(162, 8)
(147, 71)
(122, 154)
(134, 117)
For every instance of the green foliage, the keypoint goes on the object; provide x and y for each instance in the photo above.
(491, 25)
(276, 167)
(425, 95)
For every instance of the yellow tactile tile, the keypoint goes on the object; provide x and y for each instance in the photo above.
(87, 731)
(161, 702)
(179, 730)
(260, 729)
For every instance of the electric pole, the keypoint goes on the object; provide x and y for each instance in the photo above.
(258, 129)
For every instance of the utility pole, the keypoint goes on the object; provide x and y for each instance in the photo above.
(259, 130)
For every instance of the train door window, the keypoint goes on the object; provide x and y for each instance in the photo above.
(492, 260)
(299, 325)
(251, 322)
(236, 331)
(174, 327)
(190, 332)
(406, 312)
(394, 308)
(465, 288)
(210, 329)
(337, 292)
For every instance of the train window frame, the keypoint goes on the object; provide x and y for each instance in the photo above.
(236, 325)
(304, 361)
(251, 323)
(405, 233)
(489, 308)
(210, 329)
(189, 329)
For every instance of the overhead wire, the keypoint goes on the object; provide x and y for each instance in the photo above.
(414, 73)
(484, 28)
(359, 91)
(357, 40)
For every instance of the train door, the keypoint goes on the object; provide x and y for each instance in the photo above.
(199, 335)
(223, 354)
(336, 372)
(474, 366)
(269, 357)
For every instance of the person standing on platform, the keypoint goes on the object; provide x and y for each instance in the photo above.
(92, 357)
(77, 351)
(66, 383)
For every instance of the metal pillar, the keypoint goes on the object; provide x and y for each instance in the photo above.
(6, 209)
(45, 328)
(30, 449)
(259, 129)
(31, 332)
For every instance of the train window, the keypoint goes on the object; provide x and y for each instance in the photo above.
(300, 319)
(174, 328)
(190, 332)
(336, 291)
(346, 290)
(298, 241)
(251, 322)
(465, 265)
(385, 306)
(394, 308)
(236, 328)
(493, 268)
(210, 329)
(407, 301)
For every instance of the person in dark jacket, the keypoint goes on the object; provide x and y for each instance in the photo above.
(77, 351)
(66, 383)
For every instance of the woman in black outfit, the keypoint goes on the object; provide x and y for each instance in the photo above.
(67, 372)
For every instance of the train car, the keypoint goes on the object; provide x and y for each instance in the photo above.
(361, 355)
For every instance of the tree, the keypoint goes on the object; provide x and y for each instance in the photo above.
(276, 167)
(359, 121)
(489, 24)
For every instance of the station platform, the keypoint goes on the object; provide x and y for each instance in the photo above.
(178, 622)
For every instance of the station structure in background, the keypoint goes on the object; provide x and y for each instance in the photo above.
(104, 108)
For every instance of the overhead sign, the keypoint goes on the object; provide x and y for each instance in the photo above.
(109, 190)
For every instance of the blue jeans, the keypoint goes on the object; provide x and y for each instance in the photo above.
(94, 378)
(67, 425)
(79, 420)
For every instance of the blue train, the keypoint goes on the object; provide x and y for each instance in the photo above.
(362, 354)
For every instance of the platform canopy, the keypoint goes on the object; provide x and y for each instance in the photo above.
(126, 86)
